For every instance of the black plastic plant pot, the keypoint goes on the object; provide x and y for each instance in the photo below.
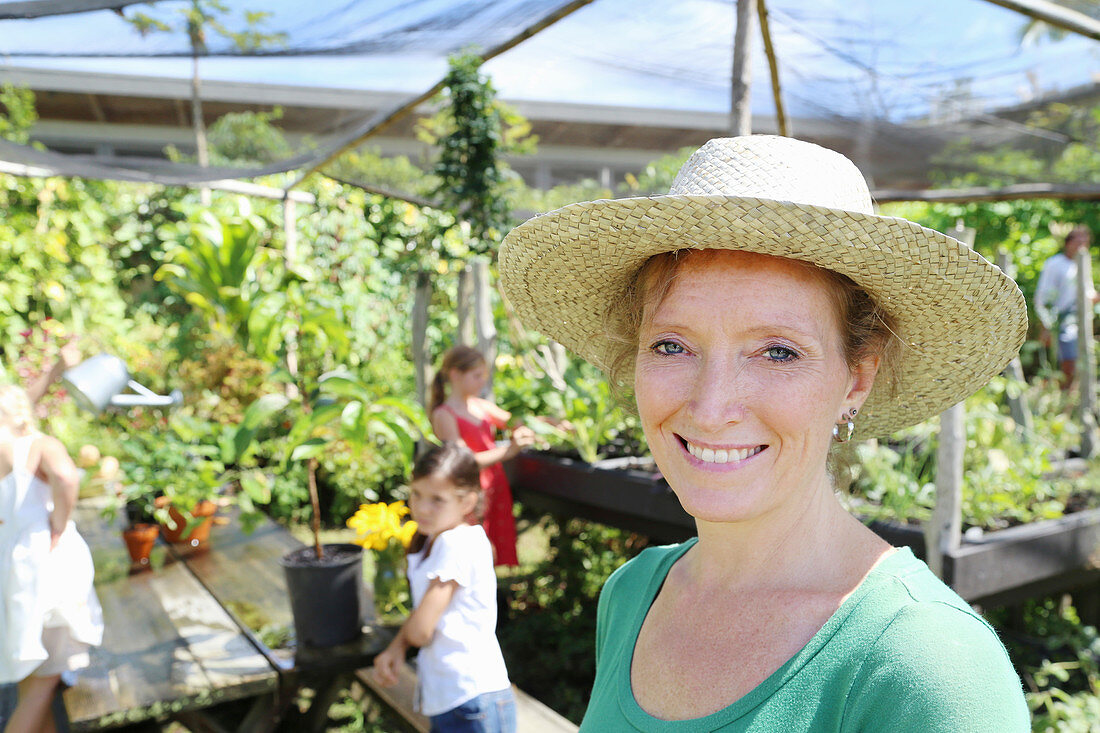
(326, 594)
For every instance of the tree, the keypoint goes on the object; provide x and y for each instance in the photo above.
(197, 20)
(473, 131)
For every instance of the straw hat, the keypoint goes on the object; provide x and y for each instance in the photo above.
(960, 318)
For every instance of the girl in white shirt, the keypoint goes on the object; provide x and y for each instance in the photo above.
(463, 683)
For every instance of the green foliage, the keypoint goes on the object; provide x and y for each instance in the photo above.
(1006, 481)
(472, 132)
(242, 138)
(181, 461)
(54, 260)
(533, 200)
(554, 607)
(17, 113)
(199, 17)
(214, 264)
(338, 409)
(1058, 657)
(367, 166)
(658, 176)
(601, 428)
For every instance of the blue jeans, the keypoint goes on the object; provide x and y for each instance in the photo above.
(9, 695)
(493, 712)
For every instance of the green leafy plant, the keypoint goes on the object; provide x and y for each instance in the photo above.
(338, 407)
(215, 266)
(1007, 481)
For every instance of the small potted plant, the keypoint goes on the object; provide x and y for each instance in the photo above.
(183, 473)
(137, 502)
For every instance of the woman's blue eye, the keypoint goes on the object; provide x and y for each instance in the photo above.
(781, 353)
(668, 348)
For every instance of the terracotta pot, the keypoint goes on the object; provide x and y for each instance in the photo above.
(199, 534)
(140, 539)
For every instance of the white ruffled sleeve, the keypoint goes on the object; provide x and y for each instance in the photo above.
(451, 558)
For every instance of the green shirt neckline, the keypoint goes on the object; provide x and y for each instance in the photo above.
(759, 694)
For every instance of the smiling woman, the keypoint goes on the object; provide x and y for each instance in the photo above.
(760, 312)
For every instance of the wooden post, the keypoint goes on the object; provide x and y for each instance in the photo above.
(740, 106)
(464, 296)
(944, 531)
(1085, 371)
(422, 360)
(781, 123)
(290, 254)
(1017, 403)
(483, 315)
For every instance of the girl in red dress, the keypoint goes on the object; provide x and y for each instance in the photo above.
(459, 414)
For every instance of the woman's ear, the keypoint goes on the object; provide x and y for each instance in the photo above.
(863, 378)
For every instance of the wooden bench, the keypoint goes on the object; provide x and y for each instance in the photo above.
(531, 715)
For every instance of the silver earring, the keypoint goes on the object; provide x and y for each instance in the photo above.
(843, 435)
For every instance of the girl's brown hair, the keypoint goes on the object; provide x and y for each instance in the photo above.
(455, 463)
(462, 358)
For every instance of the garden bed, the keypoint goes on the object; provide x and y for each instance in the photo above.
(1001, 567)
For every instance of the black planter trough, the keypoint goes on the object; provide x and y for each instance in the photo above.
(999, 568)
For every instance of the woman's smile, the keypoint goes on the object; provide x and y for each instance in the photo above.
(721, 456)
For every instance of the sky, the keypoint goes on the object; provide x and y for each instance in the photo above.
(893, 59)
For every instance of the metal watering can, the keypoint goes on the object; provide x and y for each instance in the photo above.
(99, 382)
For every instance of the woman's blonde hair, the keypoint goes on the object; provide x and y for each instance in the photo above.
(16, 410)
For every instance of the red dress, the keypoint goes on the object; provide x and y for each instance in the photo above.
(498, 521)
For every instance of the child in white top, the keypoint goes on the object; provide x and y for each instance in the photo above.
(49, 613)
(463, 683)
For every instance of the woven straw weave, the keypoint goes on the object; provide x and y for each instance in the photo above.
(960, 318)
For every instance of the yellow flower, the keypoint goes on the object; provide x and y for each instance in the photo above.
(378, 524)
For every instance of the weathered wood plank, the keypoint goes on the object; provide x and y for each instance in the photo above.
(243, 572)
(168, 646)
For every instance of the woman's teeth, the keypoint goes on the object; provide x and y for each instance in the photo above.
(707, 455)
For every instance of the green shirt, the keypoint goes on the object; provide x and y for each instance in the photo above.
(902, 653)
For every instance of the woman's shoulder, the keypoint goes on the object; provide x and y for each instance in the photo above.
(923, 644)
(903, 594)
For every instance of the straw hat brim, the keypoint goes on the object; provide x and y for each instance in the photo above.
(960, 319)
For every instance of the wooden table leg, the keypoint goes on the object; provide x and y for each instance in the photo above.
(327, 690)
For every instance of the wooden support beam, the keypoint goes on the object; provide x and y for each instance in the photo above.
(484, 327)
(1055, 15)
(1067, 191)
(741, 87)
(773, 68)
(1085, 372)
(229, 185)
(944, 531)
(96, 108)
(422, 359)
(1017, 402)
(386, 117)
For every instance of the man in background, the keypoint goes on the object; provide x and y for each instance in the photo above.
(1056, 301)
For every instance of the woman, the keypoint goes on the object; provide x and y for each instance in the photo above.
(458, 413)
(760, 312)
(49, 614)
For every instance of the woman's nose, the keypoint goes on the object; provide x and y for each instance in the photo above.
(718, 395)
